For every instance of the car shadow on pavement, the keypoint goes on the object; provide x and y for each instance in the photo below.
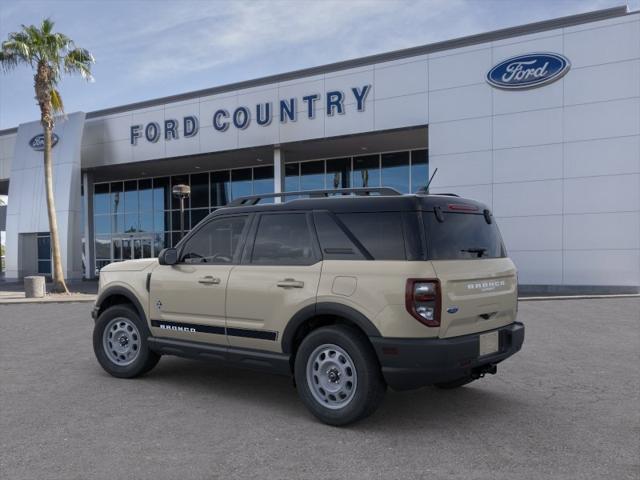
(428, 408)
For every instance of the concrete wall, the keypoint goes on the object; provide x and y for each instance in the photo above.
(27, 209)
(560, 164)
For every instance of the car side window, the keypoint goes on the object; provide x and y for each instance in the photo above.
(217, 242)
(283, 239)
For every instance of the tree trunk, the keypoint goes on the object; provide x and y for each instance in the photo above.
(59, 284)
(43, 95)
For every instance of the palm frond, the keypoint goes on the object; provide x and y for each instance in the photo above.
(56, 101)
(79, 60)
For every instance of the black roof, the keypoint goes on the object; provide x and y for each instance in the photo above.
(373, 203)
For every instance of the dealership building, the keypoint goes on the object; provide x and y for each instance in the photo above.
(541, 122)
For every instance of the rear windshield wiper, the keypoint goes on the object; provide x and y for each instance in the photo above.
(478, 251)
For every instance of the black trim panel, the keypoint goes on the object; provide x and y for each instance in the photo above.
(325, 308)
(245, 333)
(271, 362)
(214, 329)
(118, 290)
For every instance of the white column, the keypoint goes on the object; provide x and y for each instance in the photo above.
(87, 204)
(278, 172)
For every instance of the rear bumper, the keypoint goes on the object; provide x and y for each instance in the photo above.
(412, 363)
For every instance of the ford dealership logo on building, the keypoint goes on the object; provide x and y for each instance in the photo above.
(528, 71)
(37, 142)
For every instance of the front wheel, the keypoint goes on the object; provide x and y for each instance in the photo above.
(338, 376)
(120, 343)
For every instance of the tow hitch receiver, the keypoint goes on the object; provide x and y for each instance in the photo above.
(480, 372)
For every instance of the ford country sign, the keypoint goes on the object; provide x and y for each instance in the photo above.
(528, 71)
(37, 142)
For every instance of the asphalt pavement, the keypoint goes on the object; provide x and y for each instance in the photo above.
(566, 407)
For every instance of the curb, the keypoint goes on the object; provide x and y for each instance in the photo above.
(18, 301)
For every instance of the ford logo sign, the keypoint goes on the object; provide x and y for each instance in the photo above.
(528, 71)
(37, 142)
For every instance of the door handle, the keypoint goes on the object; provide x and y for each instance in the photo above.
(290, 283)
(209, 280)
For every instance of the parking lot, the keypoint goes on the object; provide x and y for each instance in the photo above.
(565, 407)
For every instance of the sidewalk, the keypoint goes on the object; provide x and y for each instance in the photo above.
(13, 292)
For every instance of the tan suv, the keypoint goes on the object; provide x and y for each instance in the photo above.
(348, 293)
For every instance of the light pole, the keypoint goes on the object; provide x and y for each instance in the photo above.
(182, 192)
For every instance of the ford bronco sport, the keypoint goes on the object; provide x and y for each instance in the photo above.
(348, 291)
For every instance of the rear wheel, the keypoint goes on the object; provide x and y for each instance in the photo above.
(338, 376)
(120, 343)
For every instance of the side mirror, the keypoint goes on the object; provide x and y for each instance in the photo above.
(168, 256)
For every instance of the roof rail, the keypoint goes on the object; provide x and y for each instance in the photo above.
(254, 199)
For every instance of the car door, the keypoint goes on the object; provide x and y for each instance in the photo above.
(187, 300)
(278, 276)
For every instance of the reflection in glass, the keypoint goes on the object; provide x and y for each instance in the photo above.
(179, 180)
(338, 173)
(131, 196)
(103, 247)
(131, 222)
(240, 182)
(419, 169)
(161, 221)
(117, 249)
(145, 223)
(101, 198)
(102, 224)
(366, 171)
(263, 181)
(161, 194)
(200, 190)
(197, 215)
(116, 199)
(292, 177)
(145, 195)
(312, 175)
(395, 171)
(220, 188)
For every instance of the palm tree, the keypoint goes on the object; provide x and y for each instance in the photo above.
(50, 55)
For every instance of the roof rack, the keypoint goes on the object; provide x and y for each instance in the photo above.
(254, 199)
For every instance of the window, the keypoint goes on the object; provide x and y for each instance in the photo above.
(241, 182)
(339, 173)
(283, 239)
(200, 190)
(419, 170)
(216, 242)
(366, 171)
(220, 188)
(263, 180)
(379, 233)
(334, 242)
(312, 175)
(44, 252)
(395, 171)
(292, 177)
(462, 236)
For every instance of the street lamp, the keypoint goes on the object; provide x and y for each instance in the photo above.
(182, 192)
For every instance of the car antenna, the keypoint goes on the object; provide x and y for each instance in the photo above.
(430, 180)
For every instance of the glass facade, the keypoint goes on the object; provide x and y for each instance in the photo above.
(138, 218)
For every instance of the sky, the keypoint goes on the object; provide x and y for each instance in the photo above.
(146, 49)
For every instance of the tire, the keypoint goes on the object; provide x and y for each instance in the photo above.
(455, 383)
(125, 353)
(334, 357)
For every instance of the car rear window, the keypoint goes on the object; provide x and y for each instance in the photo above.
(380, 233)
(462, 236)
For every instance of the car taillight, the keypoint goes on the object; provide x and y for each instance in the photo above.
(422, 299)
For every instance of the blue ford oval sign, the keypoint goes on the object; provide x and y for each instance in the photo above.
(528, 71)
(37, 142)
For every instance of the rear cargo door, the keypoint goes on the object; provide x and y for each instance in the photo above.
(478, 281)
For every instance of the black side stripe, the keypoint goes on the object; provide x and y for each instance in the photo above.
(197, 328)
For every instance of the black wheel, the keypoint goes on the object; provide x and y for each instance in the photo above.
(455, 383)
(120, 343)
(338, 375)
